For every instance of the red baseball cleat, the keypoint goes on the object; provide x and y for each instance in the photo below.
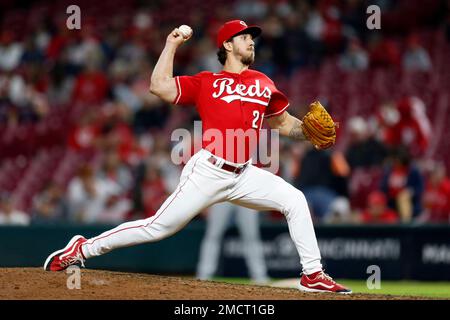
(70, 255)
(321, 282)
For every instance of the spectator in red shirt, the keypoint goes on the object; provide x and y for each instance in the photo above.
(150, 190)
(383, 52)
(412, 129)
(116, 131)
(57, 44)
(332, 34)
(377, 210)
(91, 86)
(436, 198)
(84, 135)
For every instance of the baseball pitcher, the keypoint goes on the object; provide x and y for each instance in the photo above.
(236, 98)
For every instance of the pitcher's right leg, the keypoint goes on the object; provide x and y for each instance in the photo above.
(183, 205)
(198, 189)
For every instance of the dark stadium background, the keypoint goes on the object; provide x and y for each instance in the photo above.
(75, 112)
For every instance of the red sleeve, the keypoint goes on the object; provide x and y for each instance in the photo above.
(277, 104)
(187, 89)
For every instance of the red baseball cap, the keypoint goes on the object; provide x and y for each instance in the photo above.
(233, 28)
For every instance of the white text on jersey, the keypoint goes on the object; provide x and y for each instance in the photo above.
(240, 91)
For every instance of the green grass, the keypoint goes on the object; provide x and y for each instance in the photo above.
(406, 288)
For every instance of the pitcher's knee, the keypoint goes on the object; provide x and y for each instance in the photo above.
(296, 203)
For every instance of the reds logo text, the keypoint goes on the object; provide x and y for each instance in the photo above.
(240, 91)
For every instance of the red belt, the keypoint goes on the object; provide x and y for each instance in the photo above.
(228, 167)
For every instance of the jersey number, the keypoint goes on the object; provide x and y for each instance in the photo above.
(256, 116)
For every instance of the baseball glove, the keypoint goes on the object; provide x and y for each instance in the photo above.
(318, 126)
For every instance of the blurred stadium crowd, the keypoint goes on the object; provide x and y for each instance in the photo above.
(82, 139)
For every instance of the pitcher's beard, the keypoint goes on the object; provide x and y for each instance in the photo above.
(247, 61)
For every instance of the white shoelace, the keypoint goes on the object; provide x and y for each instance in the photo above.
(325, 276)
(71, 260)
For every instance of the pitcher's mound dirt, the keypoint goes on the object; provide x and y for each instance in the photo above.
(34, 283)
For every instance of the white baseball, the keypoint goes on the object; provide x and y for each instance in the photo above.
(186, 31)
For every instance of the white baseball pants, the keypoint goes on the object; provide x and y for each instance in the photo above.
(203, 184)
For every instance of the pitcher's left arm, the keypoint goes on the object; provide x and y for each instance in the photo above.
(288, 125)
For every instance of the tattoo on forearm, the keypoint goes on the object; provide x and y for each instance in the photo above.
(296, 132)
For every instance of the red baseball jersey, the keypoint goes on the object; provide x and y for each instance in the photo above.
(232, 107)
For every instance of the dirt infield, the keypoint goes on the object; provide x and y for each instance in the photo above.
(36, 284)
